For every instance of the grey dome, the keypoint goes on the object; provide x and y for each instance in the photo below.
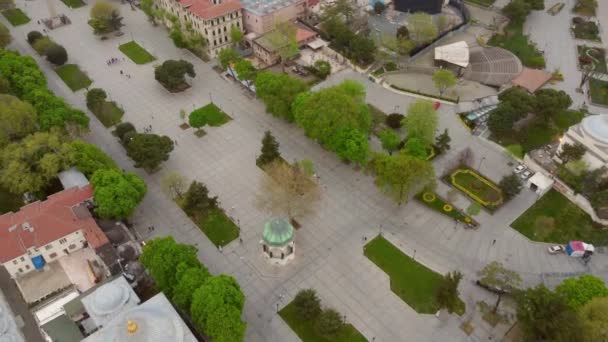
(596, 126)
(152, 325)
(109, 298)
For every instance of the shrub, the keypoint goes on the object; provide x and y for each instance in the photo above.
(57, 54)
(127, 137)
(42, 45)
(95, 97)
(308, 305)
(510, 185)
(394, 120)
(329, 324)
(447, 293)
(33, 36)
(322, 69)
(122, 128)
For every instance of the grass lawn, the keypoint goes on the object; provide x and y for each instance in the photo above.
(517, 42)
(484, 3)
(553, 218)
(586, 30)
(515, 150)
(599, 91)
(136, 53)
(597, 56)
(9, 202)
(109, 113)
(477, 187)
(73, 77)
(306, 332)
(73, 3)
(218, 227)
(213, 115)
(411, 281)
(16, 16)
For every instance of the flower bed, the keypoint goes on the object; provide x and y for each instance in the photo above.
(435, 202)
(477, 187)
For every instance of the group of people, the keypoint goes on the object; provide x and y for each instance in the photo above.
(148, 129)
(112, 60)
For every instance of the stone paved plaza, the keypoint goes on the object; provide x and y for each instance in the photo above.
(329, 245)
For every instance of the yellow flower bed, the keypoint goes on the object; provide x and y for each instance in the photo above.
(447, 208)
(428, 197)
(472, 195)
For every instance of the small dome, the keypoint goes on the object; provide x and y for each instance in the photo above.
(596, 126)
(144, 325)
(109, 299)
(277, 232)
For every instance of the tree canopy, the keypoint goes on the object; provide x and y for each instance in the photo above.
(17, 119)
(245, 70)
(401, 175)
(278, 92)
(421, 121)
(162, 257)
(116, 193)
(572, 152)
(171, 74)
(149, 150)
(510, 185)
(390, 140)
(579, 291)
(5, 36)
(444, 79)
(88, 158)
(550, 102)
(189, 279)
(227, 56)
(422, 29)
(594, 320)
(270, 150)
(496, 275)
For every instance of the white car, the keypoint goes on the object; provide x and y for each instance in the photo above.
(525, 175)
(519, 168)
(556, 249)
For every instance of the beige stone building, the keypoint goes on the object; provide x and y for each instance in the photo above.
(213, 19)
(260, 16)
(267, 52)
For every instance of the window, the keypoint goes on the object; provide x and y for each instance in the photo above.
(27, 267)
(47, 247)
(22, 259)
(72, 246)
(15, 262)
(53, 255)
(62, 241)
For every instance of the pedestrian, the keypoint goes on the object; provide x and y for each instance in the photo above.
(220, 248)
(175, 142)
(152, 228)
(493, 242)
(121, 72)
(38, 22)
(365, 238)
(241, 241)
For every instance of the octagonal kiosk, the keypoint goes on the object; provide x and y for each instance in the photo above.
(278, 241)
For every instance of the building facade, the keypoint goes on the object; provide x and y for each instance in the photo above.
(262, 16)
(265, 51)
(44, 231)
(212, 19)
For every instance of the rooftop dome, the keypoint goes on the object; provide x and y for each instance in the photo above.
(145, 324)
(109, 298)
(277, 232)
(596, 126)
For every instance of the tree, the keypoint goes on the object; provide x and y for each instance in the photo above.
(270, 150)
(197, 201)
(43, 45)
(544, 315)
(117, 193)
(394, 120)
(245, 70)
(189, 279)
(496, 275)
(571, 152)
(322, 69)
(443, 22)
(105, 17)
(517, 10)
(147, 6)
(287, 190)
(29, 165)
(88, 158)
(422, 28)
(283, 40)
(403, 32)
(171, 74)
(149, 150)
(350, 145)
(520, 101)
(537, 4)
(17, 119)
(227, 56)
(5, 36)
(122, 128)
(416, 148)
(323, 113)
(95, 98)
(579, 291)
(33, 36)
(379, 7)
(278, 92)
(502, 119)
(447, 294)
(102, 9)
(510, 185)
(307, 304)
(329, 324)
(594, 320)
(197, 118)
(236, 35)
(550, 102)
(173, 185)
(421, 121)
(115, 21)
(390, 140)
(210, 306)
(57, 54)
(443, 79)
(401, 176)
(162, 256)
(442, 141)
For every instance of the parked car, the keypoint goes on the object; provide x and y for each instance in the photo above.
(520, 168)
(525, 175)
(556, 249)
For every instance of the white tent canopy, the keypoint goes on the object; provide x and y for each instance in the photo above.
(540, 183)
(455, 53)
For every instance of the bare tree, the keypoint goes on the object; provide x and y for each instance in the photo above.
(173, 185)
(288, 190)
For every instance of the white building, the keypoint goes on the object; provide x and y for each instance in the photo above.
(592, 133)
(41, 232)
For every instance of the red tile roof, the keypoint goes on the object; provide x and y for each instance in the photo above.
(50, 220)
(302, 35)
(532, 79)
(206, 9)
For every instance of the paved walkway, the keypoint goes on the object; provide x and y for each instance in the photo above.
(329, 255)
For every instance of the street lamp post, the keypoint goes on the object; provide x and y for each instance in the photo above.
(480, 161)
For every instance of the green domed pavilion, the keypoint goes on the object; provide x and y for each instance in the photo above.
(278, 240)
